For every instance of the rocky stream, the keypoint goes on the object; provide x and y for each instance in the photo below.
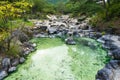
(63, 48)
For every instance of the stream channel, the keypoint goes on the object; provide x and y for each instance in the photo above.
(54, 60)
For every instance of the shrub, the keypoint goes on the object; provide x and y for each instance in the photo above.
(114, 10)
(14, 50)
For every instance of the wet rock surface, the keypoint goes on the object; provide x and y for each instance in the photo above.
(3, 74)
(12, 69)
(22, 60)
(6, 63)
(70, 41)
(112, 68)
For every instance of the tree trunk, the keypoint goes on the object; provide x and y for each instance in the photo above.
(108, 1)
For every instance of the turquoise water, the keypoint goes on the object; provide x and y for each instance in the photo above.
(55, 60)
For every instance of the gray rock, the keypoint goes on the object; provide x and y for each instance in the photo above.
(52, 30)
(109, 72)
(12, 69)
(98, 35)
(6, 63)
(113, 47)
(118, 38)
(15, 61)
(76, 34)
(40, 36)
(3, 74)
(27, 52)
(22, 60)
(43, 28)
(101, 40)
(104, 74)
(70, 41)
(59, 34)
(115, 64)
(34, 45)
(116, 54)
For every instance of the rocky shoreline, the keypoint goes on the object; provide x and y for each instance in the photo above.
(111, 69)
(66, 28)
(9, 64)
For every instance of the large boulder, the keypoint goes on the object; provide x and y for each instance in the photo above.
(110, 71)
(22, 60)
(6, 63)
(14, 61)
(104, 74)
(109, 45)
(70, 41)
(76, 34)
(3, 74)
(118, 38)
(97, 35)
(52, 30)
(12, 69)
(116, 54)
(113, 64)
(43, 28)
(82, 18)
(101, 40)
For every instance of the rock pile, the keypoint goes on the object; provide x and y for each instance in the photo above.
(60, 26)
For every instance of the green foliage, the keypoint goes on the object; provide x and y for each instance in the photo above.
(103, 33)
(41, 8)
(14, 50)
(108, 17)
(57, 1)
(3, 34)
(85, 7)
(97, 18)
(114, 10)
(12, 10)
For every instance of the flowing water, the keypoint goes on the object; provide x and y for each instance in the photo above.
(55, 60)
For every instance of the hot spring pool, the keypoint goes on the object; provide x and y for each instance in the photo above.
(55, 60)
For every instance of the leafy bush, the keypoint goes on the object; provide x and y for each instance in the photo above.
(85, 7)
